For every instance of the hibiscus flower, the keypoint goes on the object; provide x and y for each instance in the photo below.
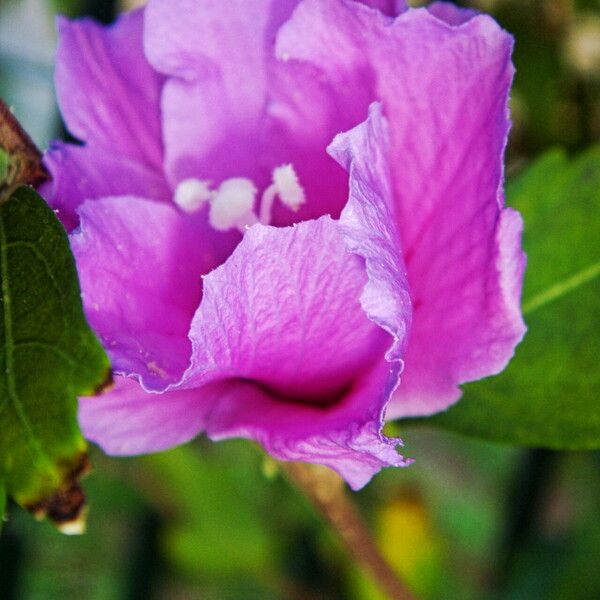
(288, 216)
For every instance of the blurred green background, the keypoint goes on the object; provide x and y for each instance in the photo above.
(468, 520)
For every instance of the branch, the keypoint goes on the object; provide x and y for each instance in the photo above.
(326, 490)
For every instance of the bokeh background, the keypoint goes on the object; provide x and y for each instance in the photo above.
(469, 520)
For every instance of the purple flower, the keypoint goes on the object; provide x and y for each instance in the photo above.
(254, 272)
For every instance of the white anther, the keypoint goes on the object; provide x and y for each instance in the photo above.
(231, 206)
(287, 187)
(191, 194)
(289, 190)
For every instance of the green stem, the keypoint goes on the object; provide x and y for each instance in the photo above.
(326, 491)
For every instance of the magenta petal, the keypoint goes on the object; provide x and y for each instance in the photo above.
(140, 266)
(345, 437)
(391, 8)
(450, 13)
(443, 80)
(128, 420)
(369, 227)
(208, 98)
(81, 173)
(466, 295)
(109, 97)
(108, 93)
(441, 354)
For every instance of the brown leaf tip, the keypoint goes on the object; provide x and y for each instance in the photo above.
(26, 165)
(66, 508)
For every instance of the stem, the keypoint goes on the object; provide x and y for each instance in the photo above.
(145, 565)
(325, 489)
(523, 503)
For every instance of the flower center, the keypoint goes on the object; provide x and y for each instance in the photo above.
(231, 205)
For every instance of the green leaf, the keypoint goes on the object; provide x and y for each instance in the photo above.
(48, 356)
(549, 395)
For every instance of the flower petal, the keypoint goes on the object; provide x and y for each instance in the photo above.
(450, 13)
(81, 173)
(444, 89)
(209, 99)
(128, 420)
(284, 311)
(140, 265)
(108, 93)
(370, 229)
(475, 329)
(345, 437)
(388, 7)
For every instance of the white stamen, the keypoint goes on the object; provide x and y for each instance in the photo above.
(287, 187)
(191, 194)
(289, 190)
(231, 206)
(266, 204)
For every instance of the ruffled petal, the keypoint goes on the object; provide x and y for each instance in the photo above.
(109, 95)
(474, 331)
(128, 420)
(281, 321)
(80, 173)
(345, 436)
(140, 265)
(370, 229)
(443, 79)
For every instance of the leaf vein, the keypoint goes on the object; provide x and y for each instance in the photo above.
(37, 454)
(45, 346)
(562, 288)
